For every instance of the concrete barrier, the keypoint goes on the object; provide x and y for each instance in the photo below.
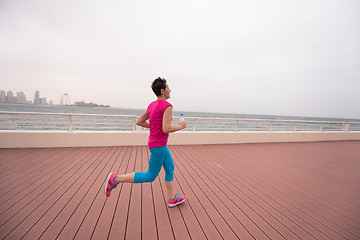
(39, 139)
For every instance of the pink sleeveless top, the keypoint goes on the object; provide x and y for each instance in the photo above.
(156, 111)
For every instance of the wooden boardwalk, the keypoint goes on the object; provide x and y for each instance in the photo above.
(246, 191)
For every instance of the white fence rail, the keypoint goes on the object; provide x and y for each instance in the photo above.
(237, 125)
(66, 122)
(94, 122)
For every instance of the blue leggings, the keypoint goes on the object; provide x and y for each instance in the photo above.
(160, 156)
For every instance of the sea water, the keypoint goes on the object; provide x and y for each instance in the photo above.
(200, 124)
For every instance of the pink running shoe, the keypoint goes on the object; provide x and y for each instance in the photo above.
(110, 184)
(176, 201)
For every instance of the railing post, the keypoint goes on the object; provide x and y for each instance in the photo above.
(321, 127)
(236, 125)
(70, 125)
(271, 125)
(194, 124)
(345, 127)
(296, 123)
(134, 124)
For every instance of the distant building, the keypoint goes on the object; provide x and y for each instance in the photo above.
(21, 97)
(2, 96)
(84, 104)
(37, 98)
(10, 94)
(10, 98)
(43, 101)
(80, 104)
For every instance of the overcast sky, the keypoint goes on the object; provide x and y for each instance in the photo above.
(299, 58)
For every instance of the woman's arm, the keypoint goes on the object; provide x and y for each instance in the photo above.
(142, 120)
(166, 126)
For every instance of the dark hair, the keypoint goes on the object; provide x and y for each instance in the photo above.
(157, 85)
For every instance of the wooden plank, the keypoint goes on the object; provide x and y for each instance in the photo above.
(164, 228)
(16, 156)
(249, 183)
(118, 228)
(241, 193)
(102, 229)
(209, 217)
(276, 190)
(8, 156)
(304, 212)
(75, 193)
(24, 221)
(31, 189)
(38, 173)
(304, 221)
(230, 213)
(10, 152)
(103, 225)
(192, 224)
(22, 209)
(82, 200)
(247, 213)
(178, 225)
(320, 215)
(148, 221)
(315, 179)
(244, 188)
(97, 198)
(311, 171)
(24, 164)
(205, 222)
(133, 230)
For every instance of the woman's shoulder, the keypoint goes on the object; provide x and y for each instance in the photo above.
(159, 104)
(166, 103)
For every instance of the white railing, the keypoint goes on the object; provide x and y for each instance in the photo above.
(66, 121)
(269, 125)
(94, 122)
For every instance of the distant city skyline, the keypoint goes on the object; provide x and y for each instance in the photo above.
(7, 97)
(21, 98)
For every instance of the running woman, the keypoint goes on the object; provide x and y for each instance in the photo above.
(159, 114)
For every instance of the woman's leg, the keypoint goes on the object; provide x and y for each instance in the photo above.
(175, 199)
(169, 173)
(128, 178)
(170, 189)
(155, 164)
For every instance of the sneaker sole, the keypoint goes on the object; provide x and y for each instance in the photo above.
(106, 182)
(174, 205)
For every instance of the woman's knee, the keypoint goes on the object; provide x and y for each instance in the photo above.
(169, 176)
(151, 177)
(169, 173)
(143, 177)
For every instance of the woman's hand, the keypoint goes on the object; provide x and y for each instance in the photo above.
(167, 127)
(183, 124)
(142, 120)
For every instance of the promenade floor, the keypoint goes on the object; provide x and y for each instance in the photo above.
(246, 191)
